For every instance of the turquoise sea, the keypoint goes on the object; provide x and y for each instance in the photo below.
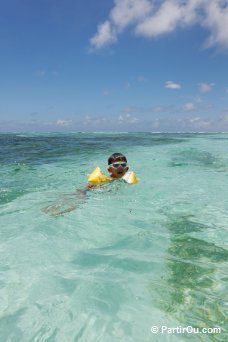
(128, 258)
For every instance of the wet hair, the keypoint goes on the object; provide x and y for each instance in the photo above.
(116, 155)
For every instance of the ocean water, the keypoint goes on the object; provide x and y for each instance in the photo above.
(125, 258)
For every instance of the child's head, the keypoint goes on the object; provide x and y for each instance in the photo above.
(117, 165)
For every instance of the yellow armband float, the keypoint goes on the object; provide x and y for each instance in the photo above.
(97, 177)
(130, 177)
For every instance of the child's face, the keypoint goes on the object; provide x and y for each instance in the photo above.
(118, 171)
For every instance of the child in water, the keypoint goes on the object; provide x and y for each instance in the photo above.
(117, 167)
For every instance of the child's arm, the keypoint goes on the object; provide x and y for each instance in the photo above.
(87, 187)
(57, 209)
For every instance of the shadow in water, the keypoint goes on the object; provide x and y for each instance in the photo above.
(194, 288)
(65, 203)
(195, 157)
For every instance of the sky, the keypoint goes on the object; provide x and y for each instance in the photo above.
(113, 65)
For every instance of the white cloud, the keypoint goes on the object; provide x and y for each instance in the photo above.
(164, 20)
(167, 123)
(95, 120)
(102, 121)
(151, 18)
(63, 122)
(202, 123)
(196, 119)
(216, 20)
(205, 87)
(106, 34)
(172, 85)
(126, 12)
(139, 110)
(127, 119)
(189, 106)
(196, 124)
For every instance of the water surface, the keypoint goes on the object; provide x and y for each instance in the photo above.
(128, 257)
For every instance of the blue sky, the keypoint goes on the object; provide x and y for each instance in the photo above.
(114, 65)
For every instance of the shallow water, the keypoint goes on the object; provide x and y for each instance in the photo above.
(128, 257)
